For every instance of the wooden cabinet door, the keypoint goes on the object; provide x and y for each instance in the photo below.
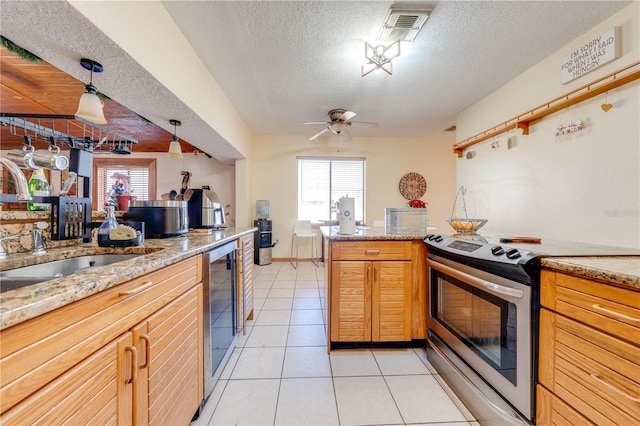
(391, 301)
(371, 301)
(171, 376)
(551, 410)
(96, 391)
(246, 281)
(351, 301)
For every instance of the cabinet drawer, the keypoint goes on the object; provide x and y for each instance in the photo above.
(36, 351)
(378, 250)
(246, 242)
(609, 308)
(595, 373)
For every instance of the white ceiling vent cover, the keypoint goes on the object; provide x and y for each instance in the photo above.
(403, 24)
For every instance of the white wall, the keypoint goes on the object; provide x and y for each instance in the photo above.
(274, 176)
(585, 187)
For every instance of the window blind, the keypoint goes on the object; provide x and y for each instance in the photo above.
(138, 180)
(322, 182)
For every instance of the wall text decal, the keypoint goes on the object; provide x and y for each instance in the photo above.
(591, 55)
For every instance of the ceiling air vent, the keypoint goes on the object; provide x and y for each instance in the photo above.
(403, 24)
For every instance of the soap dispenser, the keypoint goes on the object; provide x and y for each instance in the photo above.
(39, 187)
(109, 223)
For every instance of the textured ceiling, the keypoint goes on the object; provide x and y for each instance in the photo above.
(282, 63)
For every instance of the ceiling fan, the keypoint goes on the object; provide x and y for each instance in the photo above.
(339, 124)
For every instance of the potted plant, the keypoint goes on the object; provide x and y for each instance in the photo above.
(120, 193)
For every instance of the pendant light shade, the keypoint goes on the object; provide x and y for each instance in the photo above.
(90, 107)
(175, 150)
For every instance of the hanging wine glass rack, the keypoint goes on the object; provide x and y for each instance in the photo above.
(66, 131)
(70, 216)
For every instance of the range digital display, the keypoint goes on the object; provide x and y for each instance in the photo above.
(464, 246)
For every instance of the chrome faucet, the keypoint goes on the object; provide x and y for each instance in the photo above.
(38, 239)
(3, 251)
(22, 185)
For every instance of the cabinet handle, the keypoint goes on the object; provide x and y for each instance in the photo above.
(371, 252)
(614, 313)
(145, 285)
(134, 362)
(368, 268)
(241, 311)
(147, 349)
(614, 387)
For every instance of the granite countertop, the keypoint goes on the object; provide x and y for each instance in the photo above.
(623, 271)
(28, 302)
(363, 233)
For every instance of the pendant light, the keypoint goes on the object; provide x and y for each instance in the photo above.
(175, 150)
(90, 107)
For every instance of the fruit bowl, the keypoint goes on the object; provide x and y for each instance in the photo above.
(466, 226)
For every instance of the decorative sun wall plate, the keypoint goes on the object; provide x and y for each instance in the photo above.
(412, 186)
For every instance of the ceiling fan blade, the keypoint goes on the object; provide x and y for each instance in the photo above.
(346, 136)
(326, 129)
(365, 124)
(316, 122)
(347, 115)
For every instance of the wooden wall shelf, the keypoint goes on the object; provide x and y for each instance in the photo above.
(523, 121)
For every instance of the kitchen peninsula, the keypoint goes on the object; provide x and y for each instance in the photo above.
(376, 287)
(121, 342)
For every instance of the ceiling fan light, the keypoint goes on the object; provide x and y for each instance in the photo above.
(90, 106)
(338, 127)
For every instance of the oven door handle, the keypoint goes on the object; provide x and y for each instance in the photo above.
(477, 282)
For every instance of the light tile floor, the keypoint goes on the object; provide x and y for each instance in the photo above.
(280, 372)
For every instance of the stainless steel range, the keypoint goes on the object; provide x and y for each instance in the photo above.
(482, 318)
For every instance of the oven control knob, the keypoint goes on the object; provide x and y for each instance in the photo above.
(513, 253)
(430, 237)
(497, 250)
(438, 239)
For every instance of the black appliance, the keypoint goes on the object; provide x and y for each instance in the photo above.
(482, 318)
(162, 218)
(262, 242)
(220, 307)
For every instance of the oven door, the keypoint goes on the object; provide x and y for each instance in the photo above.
(485, 321)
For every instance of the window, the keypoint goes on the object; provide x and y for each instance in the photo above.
(323, 181)
(141, 172)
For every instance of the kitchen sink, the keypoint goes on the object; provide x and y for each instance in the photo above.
(27, 275)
